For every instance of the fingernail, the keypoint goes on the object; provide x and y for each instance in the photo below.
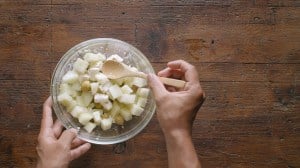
(73, 130)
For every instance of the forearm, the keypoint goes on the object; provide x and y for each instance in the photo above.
(181, 150)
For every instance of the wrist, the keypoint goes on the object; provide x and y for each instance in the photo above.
(40, 164)
(177, 134)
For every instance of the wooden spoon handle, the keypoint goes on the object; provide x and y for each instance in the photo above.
(172, 82)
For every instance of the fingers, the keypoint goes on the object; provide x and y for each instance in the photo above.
(157, 86)
(57, 128)
(82, 149)
(47, 120)
(76, 142)
(189, 70)
(173, 73)
(68, 136)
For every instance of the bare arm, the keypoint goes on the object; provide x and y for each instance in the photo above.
(176, 111)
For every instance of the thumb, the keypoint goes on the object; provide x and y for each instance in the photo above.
(156, 85)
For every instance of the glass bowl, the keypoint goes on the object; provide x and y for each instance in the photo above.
(106, 46)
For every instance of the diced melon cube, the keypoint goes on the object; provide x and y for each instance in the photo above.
(143, 92)
(66, 88)
(101, 56)
(89, 127)
(127, 98)
(80, 65)
(92, 73)
(65, 99)
(94, 87)
(126, 89)
(128, 81)
(105, 87)
(76, 86)
(100, 98)
(84, 118)
(115, 57)
(141, 101)
(97, 116)
(107, 105)
(87, 98)
(115, 109)
(126, 114)
(97, 64)
(101, 78)
(115, 91)
(106, 123)
(71, 105)
(70, 77)
(91, 57)
(84, 77)
(139, 82)
(78, 110)
(136, 110)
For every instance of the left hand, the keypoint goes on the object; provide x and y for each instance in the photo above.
(57, 148)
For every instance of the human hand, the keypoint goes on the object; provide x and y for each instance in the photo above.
(57, 148)
(177, 108)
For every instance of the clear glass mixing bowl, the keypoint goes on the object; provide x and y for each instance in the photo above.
(106, 46)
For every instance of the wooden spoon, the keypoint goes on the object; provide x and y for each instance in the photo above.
(115, 70)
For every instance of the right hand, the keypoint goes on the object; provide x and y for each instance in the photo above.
(177, 108)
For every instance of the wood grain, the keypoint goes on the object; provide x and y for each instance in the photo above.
(246, 53)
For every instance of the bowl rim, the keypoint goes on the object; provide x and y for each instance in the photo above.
(68, 124)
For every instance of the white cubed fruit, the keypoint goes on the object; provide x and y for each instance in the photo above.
(100, 98)
(115, 91)
(65, 99)
(101, 78)
(76, 86)
(97, 64)
(78, 110)
(97, 116)
(92, 73)
(126, 89)
(70, 77)
(101, 56)
(84, 77)
(87, 98)
(84, 118)
(115, 57)
(89, 127)
(91, 57)
(107, 105)
(143, 92)
(139, 82)
(80, 65)
(66, 88)
(127, 98)
(128, 81)
(94, 87)
(71, 105)
(106, 123)
(126, 114)
(105, 87)
(115, 109)
(136, 110)
(141, 101)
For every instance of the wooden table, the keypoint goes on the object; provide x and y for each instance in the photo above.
(246, 52)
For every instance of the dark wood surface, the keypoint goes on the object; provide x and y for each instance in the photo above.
(246, 52)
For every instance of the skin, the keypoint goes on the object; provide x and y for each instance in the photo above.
(176, 111)
(57, 148)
